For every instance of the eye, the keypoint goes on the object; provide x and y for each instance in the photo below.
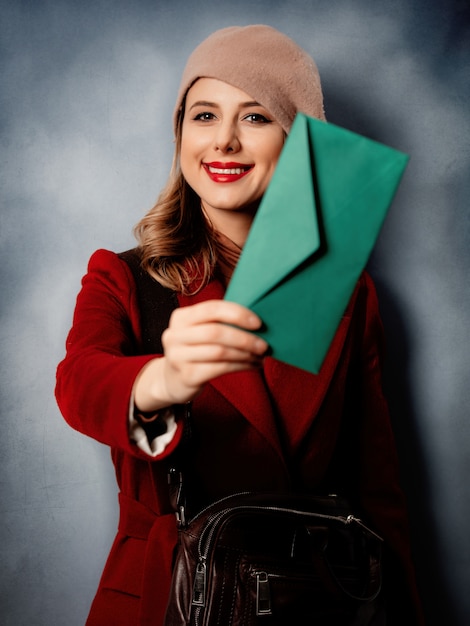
(257, 118)
(205, 116)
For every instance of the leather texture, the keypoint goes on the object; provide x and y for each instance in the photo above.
(253, 559)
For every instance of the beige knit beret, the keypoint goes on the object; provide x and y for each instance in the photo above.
(264, 63)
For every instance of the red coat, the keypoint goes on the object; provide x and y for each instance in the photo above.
(288, 429)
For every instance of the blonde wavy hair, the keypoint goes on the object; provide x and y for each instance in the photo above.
(177, 243)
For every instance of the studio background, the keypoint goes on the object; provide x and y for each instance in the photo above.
(87, 92)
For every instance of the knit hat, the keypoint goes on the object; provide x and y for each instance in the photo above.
(266, 64)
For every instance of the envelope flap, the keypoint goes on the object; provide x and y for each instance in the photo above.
(353, 171)
(285, 231)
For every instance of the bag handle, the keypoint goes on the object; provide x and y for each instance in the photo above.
(373, 585)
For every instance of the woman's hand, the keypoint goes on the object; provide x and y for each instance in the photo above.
(202, 342)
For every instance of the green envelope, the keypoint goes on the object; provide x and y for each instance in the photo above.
(312, 236)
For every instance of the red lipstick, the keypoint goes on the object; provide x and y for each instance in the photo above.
(228, 172)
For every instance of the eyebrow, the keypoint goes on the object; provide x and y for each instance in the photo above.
(206, 103)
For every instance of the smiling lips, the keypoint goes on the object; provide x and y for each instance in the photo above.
(226, 172)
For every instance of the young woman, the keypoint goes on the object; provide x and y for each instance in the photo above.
(258, 424)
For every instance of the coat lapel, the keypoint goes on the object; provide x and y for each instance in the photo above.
(247, 392)
(298, 394)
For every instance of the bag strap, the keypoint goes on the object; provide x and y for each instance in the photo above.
(156, 303)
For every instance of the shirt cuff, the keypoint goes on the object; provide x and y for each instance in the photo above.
(152, 434)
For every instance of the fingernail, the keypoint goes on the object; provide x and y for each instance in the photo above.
(254, 321)
(261, 346)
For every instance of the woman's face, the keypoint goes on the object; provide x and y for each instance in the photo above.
(229, 148)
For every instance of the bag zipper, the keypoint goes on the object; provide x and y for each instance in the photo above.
(215, 522)
(263, 594)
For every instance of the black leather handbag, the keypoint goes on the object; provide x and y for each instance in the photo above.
(275, 559)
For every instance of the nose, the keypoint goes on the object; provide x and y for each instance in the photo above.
(226, 137)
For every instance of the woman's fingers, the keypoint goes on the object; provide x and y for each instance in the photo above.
(207, 340)
(219, 341)
(215, 311)
(213, 331)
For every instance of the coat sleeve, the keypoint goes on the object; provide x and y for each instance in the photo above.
(381, 494)
(96, 377)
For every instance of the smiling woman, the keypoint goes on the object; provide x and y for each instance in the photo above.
(152, 336)
(222, 123)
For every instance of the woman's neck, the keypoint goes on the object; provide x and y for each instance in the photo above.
(232, 224)
(228, 253)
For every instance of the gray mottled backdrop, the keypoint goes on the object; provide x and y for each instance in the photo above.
(87, 90)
